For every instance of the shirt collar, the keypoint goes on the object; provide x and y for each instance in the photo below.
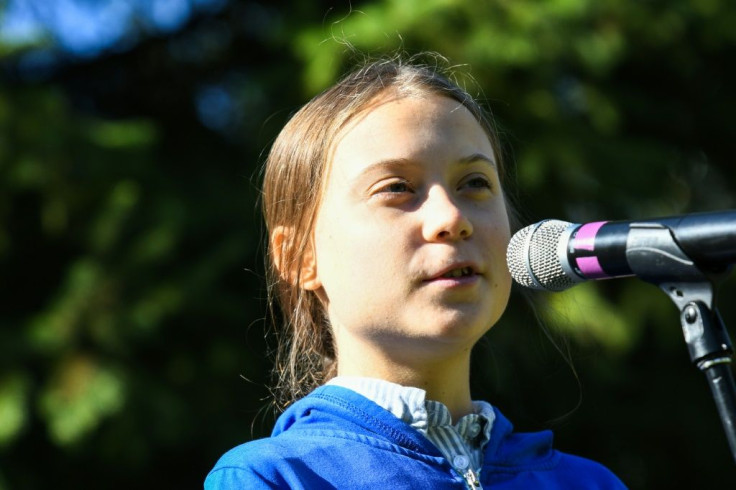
(410, 405)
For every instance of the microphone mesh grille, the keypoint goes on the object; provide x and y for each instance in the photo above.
(516, 257)
(532, 257)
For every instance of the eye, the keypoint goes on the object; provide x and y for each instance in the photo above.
(393, 191)
(477, 182)
(395, 187)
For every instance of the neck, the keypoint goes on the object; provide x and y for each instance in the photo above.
(445, 379)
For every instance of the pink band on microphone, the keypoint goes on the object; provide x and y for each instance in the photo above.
(591, 268)
(585, 237)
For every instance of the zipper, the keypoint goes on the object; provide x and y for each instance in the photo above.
(472, 480)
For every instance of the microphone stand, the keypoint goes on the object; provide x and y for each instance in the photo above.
(651, 248)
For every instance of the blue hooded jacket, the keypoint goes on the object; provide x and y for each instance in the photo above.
(336, 438)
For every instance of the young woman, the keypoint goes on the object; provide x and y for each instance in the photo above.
(388, 227)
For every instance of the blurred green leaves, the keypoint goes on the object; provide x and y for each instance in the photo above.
(14, 406)
(80, 393)
(121, 134)
(51, 156)
(74, 309)
(132, 341)
(586, 316)
(110, 221)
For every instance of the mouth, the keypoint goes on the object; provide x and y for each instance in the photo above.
(458, 271)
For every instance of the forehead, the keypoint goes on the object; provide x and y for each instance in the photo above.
(395, 108)
(425, 126)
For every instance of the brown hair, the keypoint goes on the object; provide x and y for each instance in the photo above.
(292, 189)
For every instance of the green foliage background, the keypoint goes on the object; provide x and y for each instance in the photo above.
(133, 349)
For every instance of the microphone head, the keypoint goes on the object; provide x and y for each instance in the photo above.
(534, 256)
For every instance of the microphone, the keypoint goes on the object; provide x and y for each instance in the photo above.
(555, 255)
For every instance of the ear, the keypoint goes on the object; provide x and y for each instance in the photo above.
(302, 274)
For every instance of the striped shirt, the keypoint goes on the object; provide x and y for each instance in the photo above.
(461, 443)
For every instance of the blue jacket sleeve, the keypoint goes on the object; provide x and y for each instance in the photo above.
(225, 478)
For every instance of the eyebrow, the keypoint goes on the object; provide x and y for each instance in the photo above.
(476, 157)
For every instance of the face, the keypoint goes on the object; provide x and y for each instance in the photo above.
(410, 238)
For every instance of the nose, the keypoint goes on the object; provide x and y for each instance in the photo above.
(444, 220)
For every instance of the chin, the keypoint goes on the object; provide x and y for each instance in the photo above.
(458, 327)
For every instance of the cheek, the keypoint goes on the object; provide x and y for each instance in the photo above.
(493, 223)
(339, 252)
(355, 256)
(502, 276)
(496, 239)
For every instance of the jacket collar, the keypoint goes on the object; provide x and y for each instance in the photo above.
(331, 406)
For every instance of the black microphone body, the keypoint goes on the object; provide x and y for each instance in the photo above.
(555, 255)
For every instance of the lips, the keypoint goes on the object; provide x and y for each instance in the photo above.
(456, 271)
